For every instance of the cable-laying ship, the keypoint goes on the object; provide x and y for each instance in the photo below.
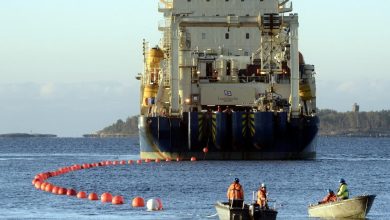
(227, 82)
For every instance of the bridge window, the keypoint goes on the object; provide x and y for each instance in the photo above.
(227, 36)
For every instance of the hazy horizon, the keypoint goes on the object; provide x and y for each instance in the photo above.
(69, 67)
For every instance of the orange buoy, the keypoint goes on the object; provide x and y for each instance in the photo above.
(71, 192)
(106, 197)
(130, 162)
(38, 184)
(34, 181)
(93, 196)
(38, 177)
(205, 150)
(117, 200)
(62, 191)
(193, 158)
(138, 202)
(48, 187)
(81, 195)
(43, 185)
(55, 189)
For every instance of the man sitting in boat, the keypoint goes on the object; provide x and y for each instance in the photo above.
(331, 197)
(235, 193)
(262, 196)
(343, 193)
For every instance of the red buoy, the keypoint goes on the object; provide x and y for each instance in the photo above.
(55, 189)
(193, 158)
(81, 195)
(138, 202)
(205, 150)
(117, 200)
(48, 187)
(93, 196)
(35, 180)
(43, 186)
(139, 161)
(62, 191)
(38, 184)
(177, 159)
(71, 192)
(130, 162)
(122, 162)
(157, 160)
(115, 162)
(106, 197)
(168, 159)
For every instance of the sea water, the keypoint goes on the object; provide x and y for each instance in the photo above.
(187, 189)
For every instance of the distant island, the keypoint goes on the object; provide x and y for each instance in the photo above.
(26, 135)
(333, 123)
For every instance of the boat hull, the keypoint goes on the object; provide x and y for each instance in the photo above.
(225, 212)
(356, 207)
(234, 136)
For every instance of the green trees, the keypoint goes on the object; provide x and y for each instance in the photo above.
(121, 128)
(354, 123)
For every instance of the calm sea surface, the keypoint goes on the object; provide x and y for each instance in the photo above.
(188, 189)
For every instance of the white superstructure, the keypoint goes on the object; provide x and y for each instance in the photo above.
(238, 54)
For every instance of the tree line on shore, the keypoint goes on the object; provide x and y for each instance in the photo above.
(373, 123)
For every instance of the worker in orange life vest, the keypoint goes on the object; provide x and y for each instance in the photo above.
(331, 197)
(262, 196)
(235, 191)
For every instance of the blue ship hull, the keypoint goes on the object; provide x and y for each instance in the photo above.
(228, 136)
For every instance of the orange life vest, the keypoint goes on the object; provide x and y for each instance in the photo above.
(262, 197)
(235, 191)
(329, 198)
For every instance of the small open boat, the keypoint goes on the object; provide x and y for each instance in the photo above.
(244, 212)
(356, 207)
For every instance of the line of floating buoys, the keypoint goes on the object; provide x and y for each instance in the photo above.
(40, 182)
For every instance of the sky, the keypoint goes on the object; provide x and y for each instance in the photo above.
(68, 67)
